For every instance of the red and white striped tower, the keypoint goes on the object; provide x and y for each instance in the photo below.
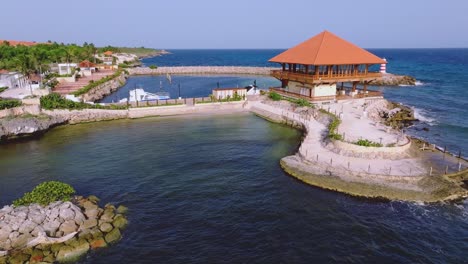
(383, 67)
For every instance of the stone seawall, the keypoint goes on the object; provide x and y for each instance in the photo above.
(199, 70)
(18, 126)
(99, 92)
(353, 150)
(21, 110)
(209, 108)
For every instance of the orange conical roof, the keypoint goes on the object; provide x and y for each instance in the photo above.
(327, 48)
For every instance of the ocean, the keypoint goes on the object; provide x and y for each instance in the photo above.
(440, 100)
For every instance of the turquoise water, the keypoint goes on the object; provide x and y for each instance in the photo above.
(210, 190)
(441, 101)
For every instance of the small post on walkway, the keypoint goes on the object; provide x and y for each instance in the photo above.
(368, 169)
(348, 165)
(446, 169)
(344, 136)
(433, 146)
(390, 171)
(459, 154)
(317, 157)
(424, 146)
(459, 166)
(410, 171)
(380, 141)
(331, 161)
(306, 153)
(430, 172)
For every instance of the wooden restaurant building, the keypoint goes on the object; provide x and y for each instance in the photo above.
(318, 69)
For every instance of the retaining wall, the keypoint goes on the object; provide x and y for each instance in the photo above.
(353, 150)
(202, 70)
(21, 110)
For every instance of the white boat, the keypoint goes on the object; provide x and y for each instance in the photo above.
(140, 95)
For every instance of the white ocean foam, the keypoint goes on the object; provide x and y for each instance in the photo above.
(423, 116)
(416, 83)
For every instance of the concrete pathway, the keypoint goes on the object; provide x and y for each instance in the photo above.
(312, 149)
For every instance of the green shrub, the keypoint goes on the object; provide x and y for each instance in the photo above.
(9, 103)
(153, 67)
(333, 125)
(274, 96)
(368, 143)
(303, 102)
(56, 101)
(2, 89)
(46, 193)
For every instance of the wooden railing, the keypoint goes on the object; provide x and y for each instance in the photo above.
(309, 78)
(361, 94)
(295, 95)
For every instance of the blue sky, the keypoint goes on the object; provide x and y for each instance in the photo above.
(237, 23)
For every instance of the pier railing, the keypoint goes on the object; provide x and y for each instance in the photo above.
(318, 78)
(361, 94)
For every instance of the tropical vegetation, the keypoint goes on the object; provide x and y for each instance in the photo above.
(368, 143)
(9, 103)
(46, 193)
(56, 101)
(32, 59)
(274, 96)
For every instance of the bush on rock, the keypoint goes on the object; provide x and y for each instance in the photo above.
(45, 193)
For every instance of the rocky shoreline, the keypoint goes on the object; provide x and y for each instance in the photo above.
(389, 79)
(60, 231)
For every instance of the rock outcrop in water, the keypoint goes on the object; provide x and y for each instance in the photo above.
(27, 125)
(389, 79)
(60, 231)
(393, 114)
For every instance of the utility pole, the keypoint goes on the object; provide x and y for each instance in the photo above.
(179, 91)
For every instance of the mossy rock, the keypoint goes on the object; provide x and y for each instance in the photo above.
(36, 256)
(72, 254)
(93, 199)
(113, 236)
(120, 221)
(98, 243)
(18, 258)
(122, 209)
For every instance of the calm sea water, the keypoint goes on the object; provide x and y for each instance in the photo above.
(440, 101)
(210, 190)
